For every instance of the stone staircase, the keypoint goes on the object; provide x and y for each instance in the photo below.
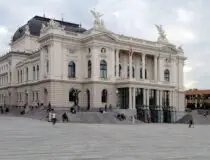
(197, 118)
(79, 117)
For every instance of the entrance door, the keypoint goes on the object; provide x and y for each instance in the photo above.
(88, 99)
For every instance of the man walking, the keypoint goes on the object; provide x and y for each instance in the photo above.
(53, 118)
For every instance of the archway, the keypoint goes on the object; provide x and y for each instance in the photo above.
(88, 99)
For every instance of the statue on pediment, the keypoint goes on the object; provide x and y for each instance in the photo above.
(162, 33)
(98, 22)
(53, 24)
(27, 31)
(43, 27)
(180, 48)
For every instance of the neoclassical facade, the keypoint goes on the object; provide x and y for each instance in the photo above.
(49, 58)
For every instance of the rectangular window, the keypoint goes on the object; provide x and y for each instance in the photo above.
(33, 96)
(37, 96)
(21, 76)
(34, 73)
(18, 76)
(10, 76)
(27, 74)
(47, 65)
(37, 74)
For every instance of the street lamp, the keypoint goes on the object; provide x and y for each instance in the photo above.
(117, 91)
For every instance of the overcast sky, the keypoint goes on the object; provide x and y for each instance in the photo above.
(185, 21)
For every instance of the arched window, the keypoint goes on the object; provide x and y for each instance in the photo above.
(133, 72)
(141, 73)
(71, 70)
(89, 69)
(103, 69)
(71, 95)
(34, 72)
(27, 74)
(103, 50)
(166, 75)
(120, 69)
(104, 96)
(37, 72)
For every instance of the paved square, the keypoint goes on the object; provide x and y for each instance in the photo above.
(27, 139)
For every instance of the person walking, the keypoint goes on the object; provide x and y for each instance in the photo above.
(53, 118)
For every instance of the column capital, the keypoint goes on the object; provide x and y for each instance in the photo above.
(156, 56)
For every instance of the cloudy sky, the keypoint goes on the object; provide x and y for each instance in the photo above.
(186, 22)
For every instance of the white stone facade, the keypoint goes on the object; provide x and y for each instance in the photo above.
(37, 69)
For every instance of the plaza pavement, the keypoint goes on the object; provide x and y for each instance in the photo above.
(28, 139)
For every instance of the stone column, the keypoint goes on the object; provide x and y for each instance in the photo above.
(155, 68)
(134, 98)
(130, 98)
(161, 98)
(117, 63)
(144, 96)
(160, 69)
(174, 71)
(171, 98)
(143, 66)
(137, 70)
(157, 97)
(95, 65)
(148, 97)
(130, 67)
(125, 67)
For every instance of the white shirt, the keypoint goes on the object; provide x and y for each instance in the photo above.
(50, 116)
(53, 115)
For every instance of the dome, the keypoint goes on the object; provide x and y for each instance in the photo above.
(35, 25)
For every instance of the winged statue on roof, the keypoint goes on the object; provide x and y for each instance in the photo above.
(161, 32)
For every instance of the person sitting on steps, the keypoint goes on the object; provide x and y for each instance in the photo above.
(65, 117)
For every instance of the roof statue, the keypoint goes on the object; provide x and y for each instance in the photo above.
(98, 22)
(43, 28)
(162, 34)
(53, 24)
(180, 48)
(27, 29)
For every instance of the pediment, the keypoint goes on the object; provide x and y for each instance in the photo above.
(169, 49)
(105, 36)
